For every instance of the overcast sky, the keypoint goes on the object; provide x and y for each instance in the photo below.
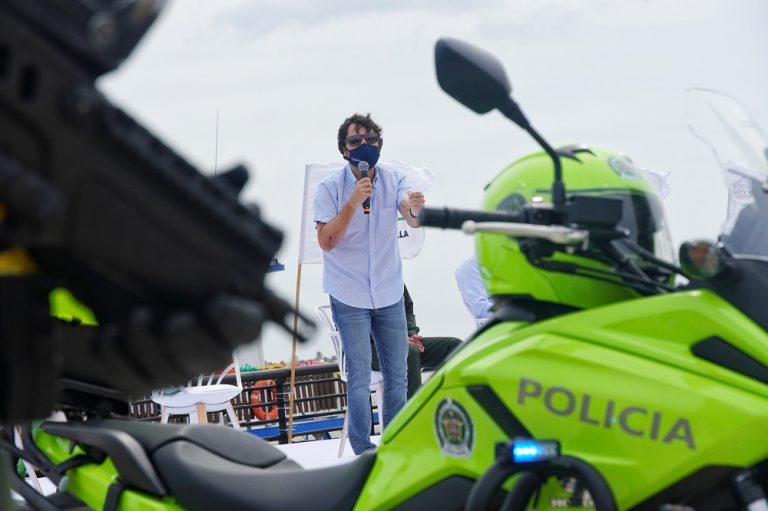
(284, 74)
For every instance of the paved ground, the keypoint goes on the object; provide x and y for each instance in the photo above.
(320, 453)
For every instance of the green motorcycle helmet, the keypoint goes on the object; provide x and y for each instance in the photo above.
(507, 272)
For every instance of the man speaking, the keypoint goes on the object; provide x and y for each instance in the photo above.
(356, 211)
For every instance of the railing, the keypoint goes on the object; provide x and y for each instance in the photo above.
(320, 401)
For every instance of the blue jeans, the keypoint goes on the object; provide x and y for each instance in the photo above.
(390, 334)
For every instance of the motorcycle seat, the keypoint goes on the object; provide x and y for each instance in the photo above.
(224, 443)
(202, 480)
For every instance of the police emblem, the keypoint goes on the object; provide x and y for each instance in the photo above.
(454, 429)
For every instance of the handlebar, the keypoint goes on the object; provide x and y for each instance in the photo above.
(449, 218)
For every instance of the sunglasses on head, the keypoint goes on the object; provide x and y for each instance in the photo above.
(370, 138)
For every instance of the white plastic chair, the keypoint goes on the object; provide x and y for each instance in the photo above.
(206, 396)
(377, 379)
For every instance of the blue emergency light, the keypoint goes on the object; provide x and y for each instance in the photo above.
(531, 451)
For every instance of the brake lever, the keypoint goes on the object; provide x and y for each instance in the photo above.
(555, 233)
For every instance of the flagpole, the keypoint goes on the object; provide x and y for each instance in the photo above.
(292, 385)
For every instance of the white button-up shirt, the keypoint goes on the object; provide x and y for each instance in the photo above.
(364, 270)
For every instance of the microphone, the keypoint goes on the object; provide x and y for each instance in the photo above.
(363, 168)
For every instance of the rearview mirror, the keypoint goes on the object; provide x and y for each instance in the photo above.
(477, 80)
(471, 76)
(702, 260)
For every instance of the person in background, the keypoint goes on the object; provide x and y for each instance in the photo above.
(362, 269)
(423, 352)
(473, 291)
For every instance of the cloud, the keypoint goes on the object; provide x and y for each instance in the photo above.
(284, 74)
(253, 20)
(516, 20)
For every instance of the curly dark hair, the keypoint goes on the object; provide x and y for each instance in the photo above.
(359, 120)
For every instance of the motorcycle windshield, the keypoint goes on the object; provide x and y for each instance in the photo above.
(741, 149)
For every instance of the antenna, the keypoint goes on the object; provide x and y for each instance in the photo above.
(216, 153)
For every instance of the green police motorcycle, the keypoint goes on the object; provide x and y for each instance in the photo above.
(597, 383)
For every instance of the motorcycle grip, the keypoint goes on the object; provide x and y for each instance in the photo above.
(449, 218)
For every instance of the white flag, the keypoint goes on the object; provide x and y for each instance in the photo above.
(411, 240)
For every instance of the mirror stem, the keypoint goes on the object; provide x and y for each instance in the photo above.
(512, 111)
(558, 186)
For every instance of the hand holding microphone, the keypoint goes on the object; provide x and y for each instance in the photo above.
(363, 168)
